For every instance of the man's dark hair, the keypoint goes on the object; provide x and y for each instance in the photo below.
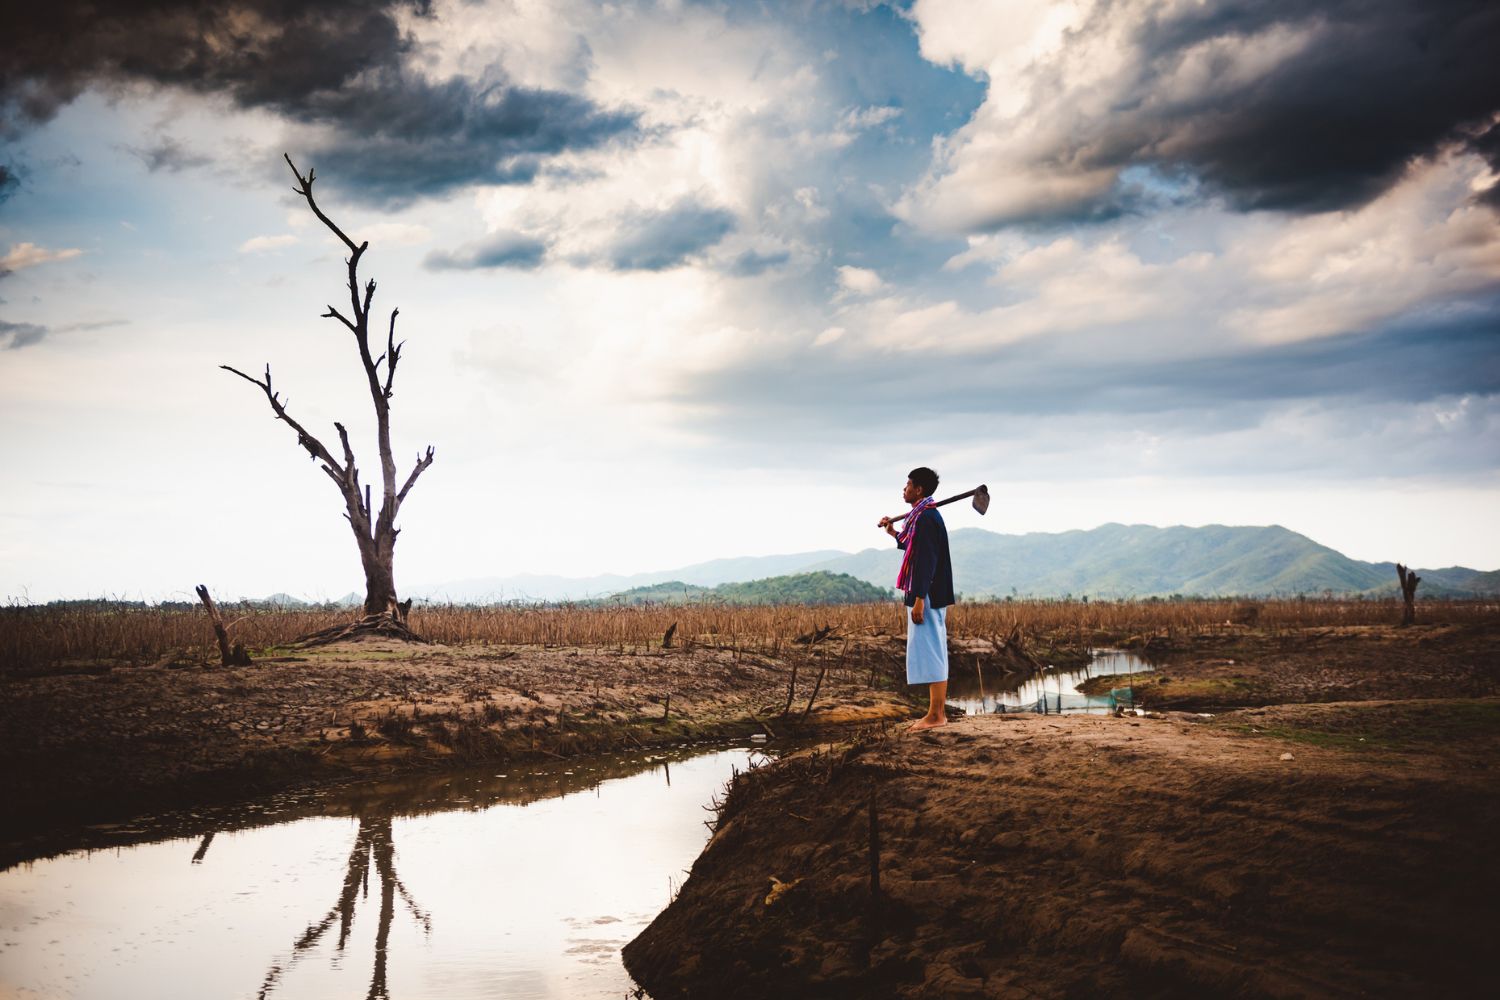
(924, 479)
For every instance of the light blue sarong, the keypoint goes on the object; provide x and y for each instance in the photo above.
(927, 647)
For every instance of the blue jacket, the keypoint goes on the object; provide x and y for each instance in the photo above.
(931, 568)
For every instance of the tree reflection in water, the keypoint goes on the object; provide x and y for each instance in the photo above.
(372, 847)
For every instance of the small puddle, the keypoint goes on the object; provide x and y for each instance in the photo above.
(1053, 692)
(499, 883)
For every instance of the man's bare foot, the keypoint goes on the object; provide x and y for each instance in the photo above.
(926, 722)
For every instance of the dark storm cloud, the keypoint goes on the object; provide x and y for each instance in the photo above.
(14, 336)
(655, 241)
(1382, 82)
(501, 250)
(400, 137)
(168, 154)
(1377, 84)
(334, 63)
(838, 394)
(8, 182)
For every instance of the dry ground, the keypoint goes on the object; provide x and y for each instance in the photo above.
(1271, 852)
(1237, 668)
(86, 746)
(1310, 846)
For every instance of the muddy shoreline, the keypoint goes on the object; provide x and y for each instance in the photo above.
(1313, 845)
(98, 746)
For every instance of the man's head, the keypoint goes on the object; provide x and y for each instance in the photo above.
(925, 482)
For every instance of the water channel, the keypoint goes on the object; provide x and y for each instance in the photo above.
(483, 884)
(1051, 692)
(520, 883)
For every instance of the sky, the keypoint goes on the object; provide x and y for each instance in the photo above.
(680, 281)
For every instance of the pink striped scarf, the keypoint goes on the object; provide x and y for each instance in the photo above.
(908, 537)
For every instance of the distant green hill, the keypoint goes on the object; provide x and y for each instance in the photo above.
(1137, 560)
(800, 588)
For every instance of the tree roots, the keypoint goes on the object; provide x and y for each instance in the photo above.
(385, 626)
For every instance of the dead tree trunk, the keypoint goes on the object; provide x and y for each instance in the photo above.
(1409, 581)
(230, 656)
(374, 533)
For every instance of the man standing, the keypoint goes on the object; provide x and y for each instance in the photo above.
(927, 578)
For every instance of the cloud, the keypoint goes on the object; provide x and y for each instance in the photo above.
(23, 255)
(859, 281)
(260, 244)
(1277, 104)
(1248, 279)
(8, 182)
(751, 263)
(1418, 397)
(655, 240)
(396, 137)
(395, 234)
(167, 154)
(348, 71)
(14, 336)
(504, 249)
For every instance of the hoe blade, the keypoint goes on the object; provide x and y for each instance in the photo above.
(982, 499)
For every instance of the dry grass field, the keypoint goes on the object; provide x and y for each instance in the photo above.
(63, 639)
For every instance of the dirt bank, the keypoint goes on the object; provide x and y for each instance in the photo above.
(1242, 667)
(1304, 850)
(109, 743)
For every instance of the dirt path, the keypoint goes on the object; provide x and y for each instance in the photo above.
(1329, 850)
(99, 745)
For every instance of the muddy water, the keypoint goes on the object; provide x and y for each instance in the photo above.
(485, 884)
(1050, 692)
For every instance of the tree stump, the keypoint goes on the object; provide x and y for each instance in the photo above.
(1409, 581)
(230, 656)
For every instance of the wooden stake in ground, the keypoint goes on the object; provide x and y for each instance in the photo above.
(1409, 581)
(230, 656)
(819, 685)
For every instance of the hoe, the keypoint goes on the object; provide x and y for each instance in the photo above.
(980, 493)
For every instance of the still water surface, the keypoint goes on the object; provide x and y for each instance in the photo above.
(1051, 692)
(489, 884)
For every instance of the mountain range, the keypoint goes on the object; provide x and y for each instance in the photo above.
(1111, 561)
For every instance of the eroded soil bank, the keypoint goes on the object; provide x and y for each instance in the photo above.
(1342, 848)
(93, 746)
(1245, 667)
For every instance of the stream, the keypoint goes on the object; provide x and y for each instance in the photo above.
(490, 883)
(522, 882)
(1052, 692)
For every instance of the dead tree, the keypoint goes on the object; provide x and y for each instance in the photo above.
(1409, 581)
(375, 534)
(229, 656)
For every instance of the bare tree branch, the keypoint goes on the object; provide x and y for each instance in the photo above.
(333, 313)
(314, 447)
(393, 353)
(349, 467)
(423, 461)
(304, 188)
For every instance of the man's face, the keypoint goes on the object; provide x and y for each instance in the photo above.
(911, 493)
